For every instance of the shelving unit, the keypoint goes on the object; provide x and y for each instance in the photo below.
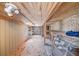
(67, 44)
(64, 44)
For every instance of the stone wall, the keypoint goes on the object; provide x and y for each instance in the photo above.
(68, 24)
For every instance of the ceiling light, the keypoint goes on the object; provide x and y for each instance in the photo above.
(11, 9)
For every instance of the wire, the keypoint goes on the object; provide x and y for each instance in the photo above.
(26, 17)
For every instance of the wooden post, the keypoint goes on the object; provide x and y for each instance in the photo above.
(44, 32)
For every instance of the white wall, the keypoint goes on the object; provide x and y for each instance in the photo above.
(55, 26)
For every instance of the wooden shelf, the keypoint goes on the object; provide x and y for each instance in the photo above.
(55, 31)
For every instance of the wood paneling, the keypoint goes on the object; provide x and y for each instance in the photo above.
(11, 35)
(67, 9)
(39, 12)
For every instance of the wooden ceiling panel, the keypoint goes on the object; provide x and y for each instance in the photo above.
(65, 10)
(37, 12)
(40, 12)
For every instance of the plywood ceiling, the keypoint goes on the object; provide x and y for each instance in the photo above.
(65, 10)
(40, 12)
(37, 12)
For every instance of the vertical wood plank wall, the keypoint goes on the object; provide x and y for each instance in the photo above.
(11, 34)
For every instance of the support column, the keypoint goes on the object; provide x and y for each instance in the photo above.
(44, 32)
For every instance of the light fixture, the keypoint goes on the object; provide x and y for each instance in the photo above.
(11, 10)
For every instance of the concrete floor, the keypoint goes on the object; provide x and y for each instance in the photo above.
(35, 46)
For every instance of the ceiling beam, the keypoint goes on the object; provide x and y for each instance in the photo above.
(53, 10)
(64, 16)
(66, 10)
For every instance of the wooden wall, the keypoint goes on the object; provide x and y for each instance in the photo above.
(11, 35)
